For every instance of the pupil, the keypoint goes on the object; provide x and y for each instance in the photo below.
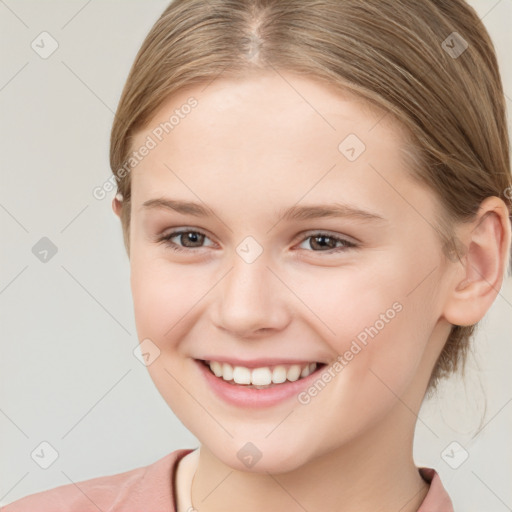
(191, 237)
(323, 240)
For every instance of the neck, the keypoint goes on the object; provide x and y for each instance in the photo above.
(374, 472)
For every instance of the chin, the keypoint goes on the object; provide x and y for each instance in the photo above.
(260, 457)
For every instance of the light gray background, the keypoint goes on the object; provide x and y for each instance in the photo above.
(67, 372)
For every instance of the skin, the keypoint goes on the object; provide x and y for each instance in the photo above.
(252, 147)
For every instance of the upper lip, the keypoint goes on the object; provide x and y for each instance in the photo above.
(256, 363)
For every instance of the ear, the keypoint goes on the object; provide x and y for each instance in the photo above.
(117, 204)
(477, 281)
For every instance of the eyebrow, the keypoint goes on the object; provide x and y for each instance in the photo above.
(305, 212)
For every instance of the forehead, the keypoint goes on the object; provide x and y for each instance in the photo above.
(274, 101)
(266, 133)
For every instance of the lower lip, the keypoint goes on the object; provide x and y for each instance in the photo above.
(243, 396)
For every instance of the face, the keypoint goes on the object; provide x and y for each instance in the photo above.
(314, 246)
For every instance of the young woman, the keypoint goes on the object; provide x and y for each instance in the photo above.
(315, 201)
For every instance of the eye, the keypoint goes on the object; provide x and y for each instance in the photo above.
(329, 242)
(191, 239)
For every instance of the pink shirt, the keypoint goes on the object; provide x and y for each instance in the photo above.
(151, 489)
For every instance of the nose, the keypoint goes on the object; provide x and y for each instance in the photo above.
(251, 301)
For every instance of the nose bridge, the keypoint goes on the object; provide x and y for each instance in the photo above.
(249, 298)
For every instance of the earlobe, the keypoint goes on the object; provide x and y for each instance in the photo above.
(479, 276)
(117, 204)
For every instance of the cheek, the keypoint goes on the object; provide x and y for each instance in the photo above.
(346, 301)
(164, 296)
(379, 343)
(371, 320)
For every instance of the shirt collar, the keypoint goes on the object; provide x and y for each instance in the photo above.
(437, 499)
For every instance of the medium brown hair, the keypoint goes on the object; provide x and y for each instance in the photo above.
(429, 64)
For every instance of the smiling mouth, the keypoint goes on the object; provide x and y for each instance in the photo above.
(261, 377)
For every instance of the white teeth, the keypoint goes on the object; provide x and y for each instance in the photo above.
(216, 368)
(279, 374)
(263, 376)
(227, 371)
(241, 375)
(293, 372)
(305, 371)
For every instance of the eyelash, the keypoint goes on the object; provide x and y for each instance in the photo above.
(166, 241)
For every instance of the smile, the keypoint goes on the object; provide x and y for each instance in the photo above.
(261, 377)
(238, 385)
